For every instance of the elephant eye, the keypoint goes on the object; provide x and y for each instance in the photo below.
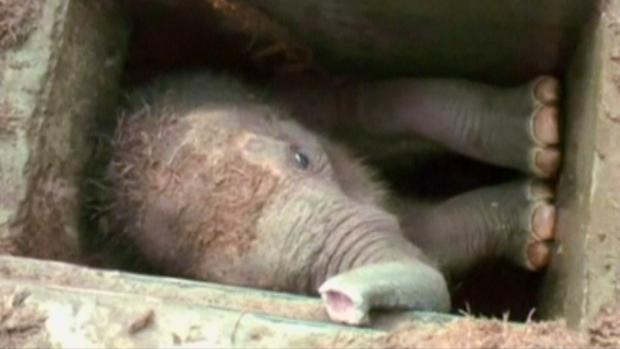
(302, 160)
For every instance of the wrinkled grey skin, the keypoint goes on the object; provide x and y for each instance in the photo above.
(324, 224)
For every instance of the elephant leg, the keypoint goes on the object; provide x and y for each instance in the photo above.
(513, 220)
(509, 127)
(516, 128)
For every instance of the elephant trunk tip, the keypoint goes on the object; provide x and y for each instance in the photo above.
(350, 296)
(344, 305)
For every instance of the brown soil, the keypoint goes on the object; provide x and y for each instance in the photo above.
(210, 203)
(472, 333)
(482, 333)
(42, 231)
(605, 331)
(20, 325)
(8, 128)
(16, 20)
(8, 123)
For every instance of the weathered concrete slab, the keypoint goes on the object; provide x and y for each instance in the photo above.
(75, 318)
(585, 272)
(53, 85)
(63, 306)
(58, 274)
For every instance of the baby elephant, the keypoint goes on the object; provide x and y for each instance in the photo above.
(217, 181)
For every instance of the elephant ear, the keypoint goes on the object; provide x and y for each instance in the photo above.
(410, 285)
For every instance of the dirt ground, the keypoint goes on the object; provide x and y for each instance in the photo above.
(20, 325)
(16, 18)
(474, 333)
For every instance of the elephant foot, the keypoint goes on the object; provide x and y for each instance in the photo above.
(544, 127)
(535, 245)
(515, 220)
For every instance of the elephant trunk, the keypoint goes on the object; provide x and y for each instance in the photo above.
(366, 263)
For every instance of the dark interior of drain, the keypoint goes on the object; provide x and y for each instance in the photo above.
(169, 36)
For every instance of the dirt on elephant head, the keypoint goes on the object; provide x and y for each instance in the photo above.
(16, 20)
(182, 204)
